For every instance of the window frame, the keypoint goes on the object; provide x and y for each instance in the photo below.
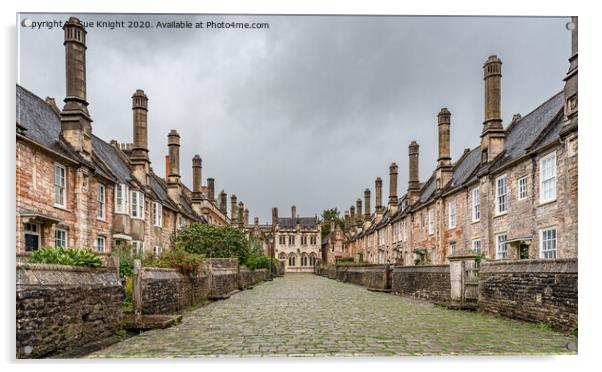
(498, 251)
(101, 204)
(157, 209)
(37, 233)
(476, 242)
(452, 217)
(122, 207)
(542, 252)
(66, 236)
(63, 186)
(103, 239)
(522, 194)
(542, 181)
(431, 221)
(505, 196)
(138, 208)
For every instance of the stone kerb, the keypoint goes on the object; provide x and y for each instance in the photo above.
(63, 308)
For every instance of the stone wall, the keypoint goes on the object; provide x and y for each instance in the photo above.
(249, 278)
(223, 276)
(62, 308)
(531, 290)
(431, 283)
(374, 277)
(327, 271)
(167, 291)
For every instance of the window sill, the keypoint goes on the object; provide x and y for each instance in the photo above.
(500, 214)
(61, 207)
(546, 202)
(139, 218)
(101, 219)
(476, 221)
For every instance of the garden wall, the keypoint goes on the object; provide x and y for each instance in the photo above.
(373, 276)
(62, 308)
(167, 291)
(532, 290)
(431, 283)
(223, 276)
(249, 278)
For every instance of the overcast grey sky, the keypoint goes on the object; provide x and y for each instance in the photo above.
(310, 111)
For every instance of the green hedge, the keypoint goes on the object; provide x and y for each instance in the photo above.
(65, 256)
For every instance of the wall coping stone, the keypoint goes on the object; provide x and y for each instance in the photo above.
(65, 276)
(422, 268)
(562, 265)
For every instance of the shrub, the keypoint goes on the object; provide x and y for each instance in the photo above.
(66, 256)
(213, 241)
(179, 259)
(128, 299)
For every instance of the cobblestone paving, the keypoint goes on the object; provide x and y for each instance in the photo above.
(307, 315)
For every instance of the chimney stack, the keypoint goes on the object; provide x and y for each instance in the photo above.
(352, 216)
(378, 186)
(76, 124)
(367, 204)
(358, 209)
(274, 217)
(393, 171)
(173, 179)
(139, 155)
(444, 166)
(294, 215)
(197, 168)
(211, 189)
(571, 107)
(256, 221)
(246, 217)
(233, 210)
(223, 201)
(241, 214)
(493, 136)
(413, 182)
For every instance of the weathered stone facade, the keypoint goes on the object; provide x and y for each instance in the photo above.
(513, 196)
(61, 308)
(76, 190)
(534, 290)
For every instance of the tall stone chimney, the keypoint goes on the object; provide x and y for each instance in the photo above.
(393, 171)
(197, 171)
(367, 213)
(223, 201)
(173, 178)
(493, 136)
(76, 124)
(352, 216)
(211, 189)
(256, 221)
(413, 181)
(246, 217)
(347, 224)
(358, 211)
(571, 107)
(274, 217)
(241, 214)
(444, 171)
(139, 155)
(378, 186)
(294, 215)
(233, 210)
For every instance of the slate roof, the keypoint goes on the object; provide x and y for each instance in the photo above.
(117, 165)
(305, 222)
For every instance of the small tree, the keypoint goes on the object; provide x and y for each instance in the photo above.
(213, 241)
(328, 216)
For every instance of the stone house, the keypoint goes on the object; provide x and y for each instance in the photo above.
(297, 241)
(513, 196)
(333, 245)
(76, 190)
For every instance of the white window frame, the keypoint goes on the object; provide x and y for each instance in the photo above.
(382, 237)
(548, 180)
(522, 188)
(101, 198)
(157, 214)
(138, 205)
(138, 246)
(122, 194)
(431, 221)
(501, 200)
(101, 244)
(548, 238)
(57, 231)
(157, 250)
(452, 213)
(501, 247)
(476, 204)
(452, 248)
(62, 192)
(476, 245)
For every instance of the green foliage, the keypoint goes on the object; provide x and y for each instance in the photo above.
(255, 259)
(66, 256)
(179, 259)
(574, 332)
(121, 333)
(128, 301)
(213, 241)
(329, 215)
(544, 326)
(126, 255)
(344, 260)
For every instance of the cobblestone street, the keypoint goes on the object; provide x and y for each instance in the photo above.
(307, 315)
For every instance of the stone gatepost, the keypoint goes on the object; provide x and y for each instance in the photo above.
(137, 289)
(463, 274)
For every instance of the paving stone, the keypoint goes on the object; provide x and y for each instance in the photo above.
(307, 315)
